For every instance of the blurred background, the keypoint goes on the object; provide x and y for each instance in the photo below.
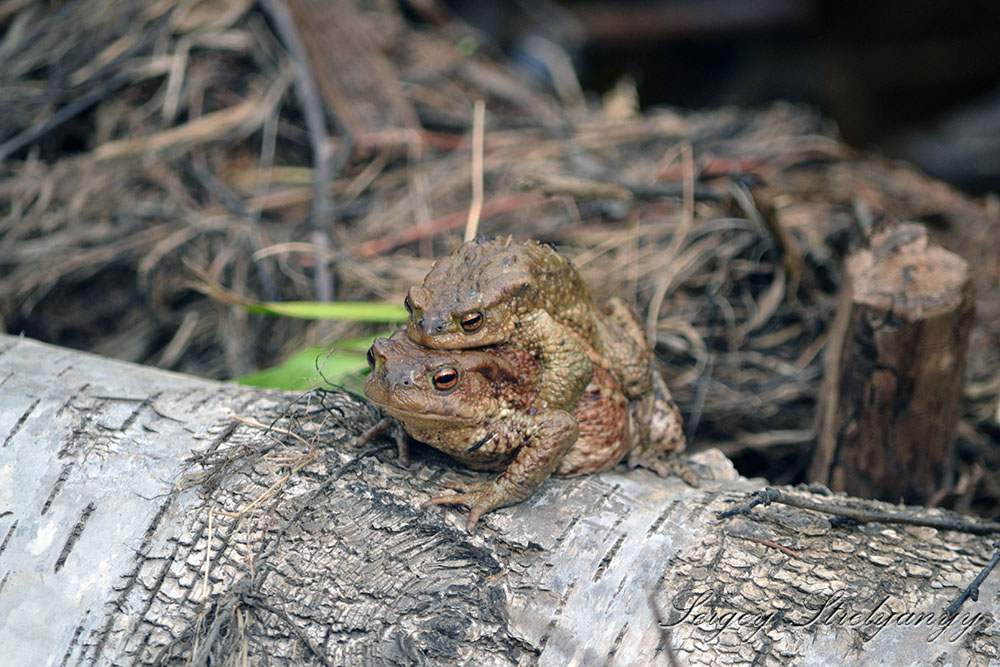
(917, 80)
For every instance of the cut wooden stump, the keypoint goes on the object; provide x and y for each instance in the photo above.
(140, 522)
(895, 364)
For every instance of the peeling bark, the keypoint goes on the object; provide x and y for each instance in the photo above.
(113, 477)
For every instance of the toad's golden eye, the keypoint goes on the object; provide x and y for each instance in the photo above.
(471, 321)
(371, 357)
(445, 379)
(408, 304)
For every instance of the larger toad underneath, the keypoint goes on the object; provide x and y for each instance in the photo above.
(481, 407)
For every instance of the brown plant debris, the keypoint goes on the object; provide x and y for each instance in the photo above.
(141, 139)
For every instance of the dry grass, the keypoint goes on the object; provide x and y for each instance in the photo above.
(173, 137)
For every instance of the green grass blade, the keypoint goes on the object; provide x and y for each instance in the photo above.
(361, 311)
(342, 367)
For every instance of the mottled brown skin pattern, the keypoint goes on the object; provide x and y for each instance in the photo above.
(489, 417)
(499, 291)
(658, 434)
(657, 426)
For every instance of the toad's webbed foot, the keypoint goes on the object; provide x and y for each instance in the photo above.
(674, 465)
(479, 497)
(547, 434)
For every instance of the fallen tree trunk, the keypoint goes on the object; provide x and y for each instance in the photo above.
(141, 522)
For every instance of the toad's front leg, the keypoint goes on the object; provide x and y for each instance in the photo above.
(546, 437)
(566, 366)
(392, 427)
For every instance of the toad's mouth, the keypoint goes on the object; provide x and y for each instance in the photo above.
(422, 413)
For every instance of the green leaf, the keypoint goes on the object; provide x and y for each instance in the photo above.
(342, 367)
(362, 311)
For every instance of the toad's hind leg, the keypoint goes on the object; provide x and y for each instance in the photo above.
(661, 442)
(547, 436)
(625, 348)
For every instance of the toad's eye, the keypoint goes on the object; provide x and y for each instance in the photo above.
(371, 357)
(445, 379)
(408, 304)
(471, 321)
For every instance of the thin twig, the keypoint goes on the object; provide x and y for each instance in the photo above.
(772, 495)
(772, 544)
(66, 113)
(259, 602)
(270, 491)
(301, 462)
(972, 590)
(218, 189)
(210, 126)
(666, 639)
(478, 132)
(706, 365)
(792, 257)
(312, 111)
(223, 612)
(450, 221)
(562, 185)
(271, 428)
(268, 549)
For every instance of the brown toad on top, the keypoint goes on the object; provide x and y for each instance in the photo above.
(480, 407)
(499, 291)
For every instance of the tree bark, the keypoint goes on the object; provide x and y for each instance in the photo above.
(894, 369)
(141, 522)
